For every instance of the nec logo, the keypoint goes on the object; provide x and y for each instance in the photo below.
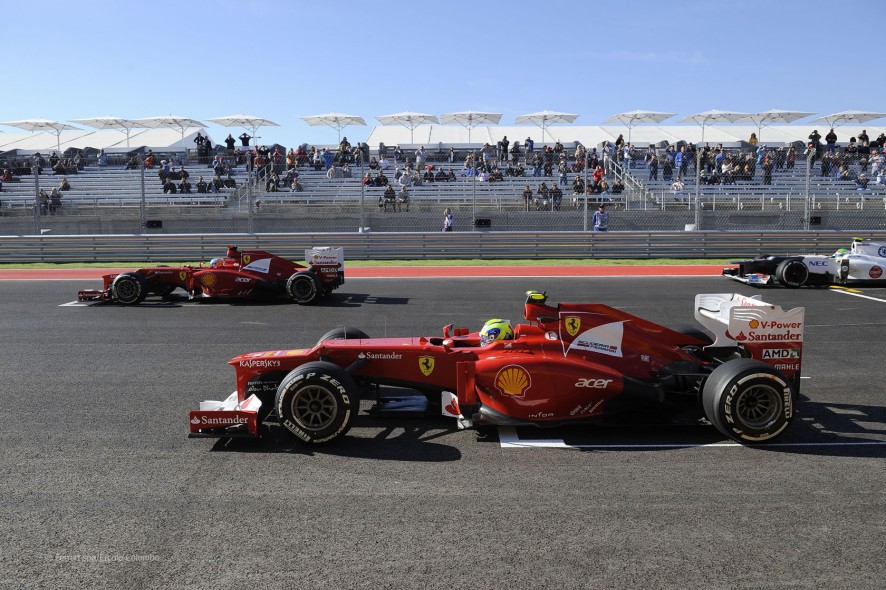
(593, 383)
(816, 263)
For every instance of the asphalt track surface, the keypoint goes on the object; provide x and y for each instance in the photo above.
(102, 489)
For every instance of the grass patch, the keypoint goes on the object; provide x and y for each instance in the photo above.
(459, 262)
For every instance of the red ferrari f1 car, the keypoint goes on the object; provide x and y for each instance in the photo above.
(569, 363)
(241, 274)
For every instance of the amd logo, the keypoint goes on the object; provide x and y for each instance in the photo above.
(781, 353)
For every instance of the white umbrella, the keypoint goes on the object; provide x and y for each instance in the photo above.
(773, 116)
(858, 117)
(470, 119)
(42, 125)
(111, 122)
(714, 116)
(408, 119)
(338, 121)
(545, 118)
(250, 122)
(631, 118)
(170, 122)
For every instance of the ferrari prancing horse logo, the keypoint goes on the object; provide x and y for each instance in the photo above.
(573, 324)
(246, 258)
(182, 275)
(426, 364)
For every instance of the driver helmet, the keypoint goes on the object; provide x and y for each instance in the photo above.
(840, 253)
(215, 262)
(496, 330)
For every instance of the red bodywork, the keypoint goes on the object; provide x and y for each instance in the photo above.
(566, 364)
(246, 273)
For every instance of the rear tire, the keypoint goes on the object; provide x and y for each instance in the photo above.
(343, 333)
(748, 401)
(792, 273)
(129, 288)
(317, 402)
(303, 287)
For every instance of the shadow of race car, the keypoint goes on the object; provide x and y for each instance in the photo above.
(863, 262)
(241, 274)
(569, 363)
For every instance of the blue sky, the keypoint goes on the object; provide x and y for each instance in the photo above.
(286, 59)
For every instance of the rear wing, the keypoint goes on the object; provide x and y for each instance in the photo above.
(327, 263)
(767, 332)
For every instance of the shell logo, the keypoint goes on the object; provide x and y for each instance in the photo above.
(753, 324)
(513, 380)
(208, 279)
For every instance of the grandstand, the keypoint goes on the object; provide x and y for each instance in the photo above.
(112, 191)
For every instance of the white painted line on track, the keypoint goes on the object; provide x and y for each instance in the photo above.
(508, 438)
(858, 295)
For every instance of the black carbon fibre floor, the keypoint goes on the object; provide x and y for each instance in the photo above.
(101, 489)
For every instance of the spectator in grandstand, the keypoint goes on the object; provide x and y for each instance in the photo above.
(600, 219)
(597, 178)
(682, 161)
(876, 166)
(403, 199)
(652, 163)
(64, 185)
(826, 164)
(515, 152)
(618, 187)
(564, 177)
(230, 143)
(578, 186)
(815, 138)
(527, 196)
(229, 182)
(202, 187)
(390, 198)
(398, 154)
(54, 160)
(753, 139)
(447, 219)
(861, 183)
(244, 139)
(543, 196)
(420, 158)
(327, 157)
(556, 197)
(55, 201)
(102, 159)
(767, 169)
(43, 202)
(295, 186)
(169, 187)
(184, 187)
(405, 179)
(215, 185)
(441, 175)
(530, 146)
(677, 186)
(831, 140)
(6, 176)
(503, 146)
(843, 173)
(381, 179)
(667, 164)
(150, 160)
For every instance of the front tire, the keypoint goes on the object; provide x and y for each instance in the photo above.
(317, 402)
(792, 273)
(303, 287)
(129, 288)
(748, 401)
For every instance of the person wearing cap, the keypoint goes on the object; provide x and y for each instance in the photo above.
(601, 219)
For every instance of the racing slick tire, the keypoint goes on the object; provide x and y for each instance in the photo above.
(317, 402)
(343, 333)
(748, 401)
(792, 273)
(129, 288)
(303, 287)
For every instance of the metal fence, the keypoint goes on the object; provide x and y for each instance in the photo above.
(428, 246)
(543, 190)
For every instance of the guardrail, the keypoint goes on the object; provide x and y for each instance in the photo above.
(428, 246)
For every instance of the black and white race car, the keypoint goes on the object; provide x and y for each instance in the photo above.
(863, 262)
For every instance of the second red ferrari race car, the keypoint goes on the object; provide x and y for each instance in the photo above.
(241, 274)
(572, 362)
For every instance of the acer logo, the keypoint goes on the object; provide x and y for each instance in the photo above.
(593, 383)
